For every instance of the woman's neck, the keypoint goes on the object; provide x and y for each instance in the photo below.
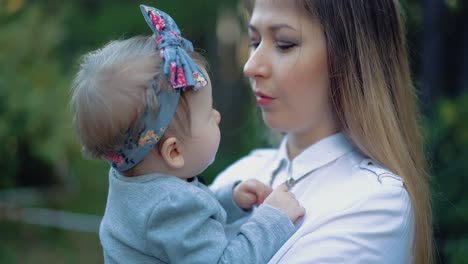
(297, 142)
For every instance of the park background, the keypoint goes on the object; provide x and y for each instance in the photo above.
(51, 198)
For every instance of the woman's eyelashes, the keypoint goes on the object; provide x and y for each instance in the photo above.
(254, 44)
(283, 46)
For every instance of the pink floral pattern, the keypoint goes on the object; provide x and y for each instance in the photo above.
(173, 69)
(158, 22)
(173, 34)
(181, 82)
(148, 138)
(177, 78)
(159, 40)
(117, 159)
(199, 79)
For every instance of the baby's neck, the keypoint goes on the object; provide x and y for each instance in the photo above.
(152, 167)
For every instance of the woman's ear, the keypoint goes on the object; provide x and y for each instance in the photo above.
(171, 153)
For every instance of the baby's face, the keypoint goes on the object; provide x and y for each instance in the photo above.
(201, 146)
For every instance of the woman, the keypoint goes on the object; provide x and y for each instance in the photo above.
(333, 76)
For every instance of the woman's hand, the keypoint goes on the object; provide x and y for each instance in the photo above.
(250, 192)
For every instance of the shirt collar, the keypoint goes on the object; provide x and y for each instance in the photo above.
(313, 157)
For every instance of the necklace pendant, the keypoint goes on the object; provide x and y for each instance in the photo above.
(290, 182)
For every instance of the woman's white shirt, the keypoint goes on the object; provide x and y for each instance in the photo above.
(356, 210)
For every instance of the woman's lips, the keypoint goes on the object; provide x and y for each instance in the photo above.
(263, 99)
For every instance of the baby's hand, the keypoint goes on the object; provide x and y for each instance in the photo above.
(249, 193)
(285, 201)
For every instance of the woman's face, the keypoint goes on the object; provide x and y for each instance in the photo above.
(288, 69)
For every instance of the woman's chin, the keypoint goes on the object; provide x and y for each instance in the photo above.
(274, 123)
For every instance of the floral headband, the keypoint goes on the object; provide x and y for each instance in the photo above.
(181, 72)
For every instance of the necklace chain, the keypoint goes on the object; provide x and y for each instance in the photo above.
(290, 181)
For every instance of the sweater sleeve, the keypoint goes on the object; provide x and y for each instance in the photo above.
(183, 228)
(225, 197)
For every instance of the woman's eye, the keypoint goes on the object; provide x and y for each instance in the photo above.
(254, 44)
(284, 46)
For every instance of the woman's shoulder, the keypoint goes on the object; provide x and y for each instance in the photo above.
(259, 154)
(383, 186)
(363, 169)
(364, 182)
(375, 173)
(358, 178)
(380, 173)
(356, 200)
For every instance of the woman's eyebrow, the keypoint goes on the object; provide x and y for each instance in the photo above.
(252, 28)
(272, 28)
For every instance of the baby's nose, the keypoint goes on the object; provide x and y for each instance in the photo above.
(217, 116)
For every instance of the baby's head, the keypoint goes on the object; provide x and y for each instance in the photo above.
(124, 110)
(109, 92)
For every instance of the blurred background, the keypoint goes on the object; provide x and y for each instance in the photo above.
(52, 199)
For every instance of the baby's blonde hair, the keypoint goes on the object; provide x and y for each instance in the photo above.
(110, 90)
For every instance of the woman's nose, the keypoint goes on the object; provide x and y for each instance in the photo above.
(217, 116)
(258, 66)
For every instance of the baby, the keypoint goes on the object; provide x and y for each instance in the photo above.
(145, 105)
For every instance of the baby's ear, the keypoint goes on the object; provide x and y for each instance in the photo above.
(171, 152)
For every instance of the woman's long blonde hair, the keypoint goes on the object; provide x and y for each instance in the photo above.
(373, 95)
(374, 98)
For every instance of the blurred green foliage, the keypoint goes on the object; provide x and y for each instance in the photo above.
(34, 119)
(448, 138)
(40, 44)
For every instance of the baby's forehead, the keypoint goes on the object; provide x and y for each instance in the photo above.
(201, 97)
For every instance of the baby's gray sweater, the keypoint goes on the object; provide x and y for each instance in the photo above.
(161, 219)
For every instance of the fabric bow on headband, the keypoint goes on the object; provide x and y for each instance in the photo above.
(181, 73)
(179, 68)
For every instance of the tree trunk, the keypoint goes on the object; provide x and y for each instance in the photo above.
(433, 54)
(463, 75)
